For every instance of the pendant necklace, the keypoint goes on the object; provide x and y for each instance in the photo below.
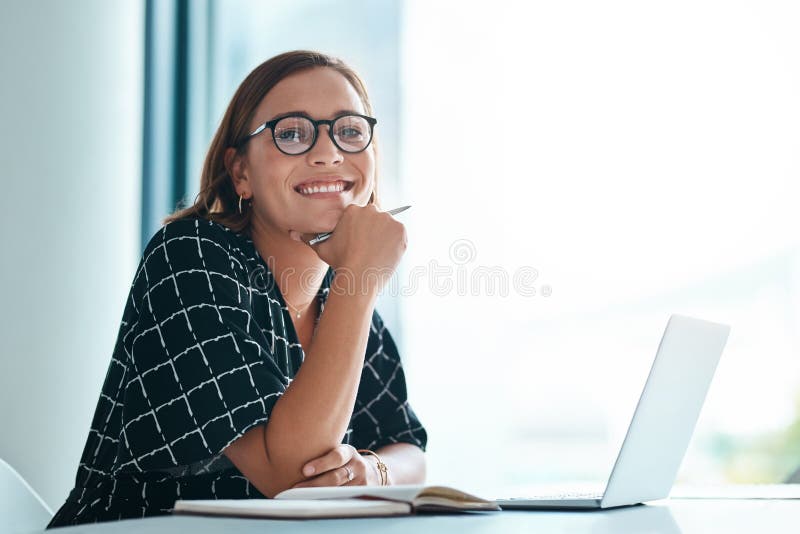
(296, 311)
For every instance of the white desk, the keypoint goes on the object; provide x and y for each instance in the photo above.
(670, 516)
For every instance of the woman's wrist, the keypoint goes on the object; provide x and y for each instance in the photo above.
(381, 469)
(375, 474)
(361, 285)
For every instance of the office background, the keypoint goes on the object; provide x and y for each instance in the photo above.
(578, 172)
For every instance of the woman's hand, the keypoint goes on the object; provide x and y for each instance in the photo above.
(366, 244)
(342, 466)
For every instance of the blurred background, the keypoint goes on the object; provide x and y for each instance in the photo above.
(578, 172)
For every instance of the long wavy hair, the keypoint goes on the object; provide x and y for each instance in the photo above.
(217, 199)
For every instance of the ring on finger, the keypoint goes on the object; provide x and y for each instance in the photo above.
(350, 475)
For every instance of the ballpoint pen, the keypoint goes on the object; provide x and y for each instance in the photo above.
(322, 237)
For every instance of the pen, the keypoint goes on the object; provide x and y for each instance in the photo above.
(322, 237)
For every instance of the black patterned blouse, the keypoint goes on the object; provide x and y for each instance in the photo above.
(205, 348)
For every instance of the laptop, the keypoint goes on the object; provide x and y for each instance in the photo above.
(662, 423)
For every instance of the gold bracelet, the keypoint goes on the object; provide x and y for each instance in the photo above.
(382, 469)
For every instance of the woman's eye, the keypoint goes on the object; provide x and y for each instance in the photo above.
(349, 133)
(289, 135)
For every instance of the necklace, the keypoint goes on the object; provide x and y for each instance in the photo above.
(296, 311)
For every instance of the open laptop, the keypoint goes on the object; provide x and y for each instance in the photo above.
(662, 424)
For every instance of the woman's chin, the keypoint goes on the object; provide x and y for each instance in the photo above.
(324, 224)
(311, 232)
(311, 229)
(317, 223)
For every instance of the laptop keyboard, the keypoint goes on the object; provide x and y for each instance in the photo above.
(570, 495)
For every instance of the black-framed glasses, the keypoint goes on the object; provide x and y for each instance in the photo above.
(296, 134)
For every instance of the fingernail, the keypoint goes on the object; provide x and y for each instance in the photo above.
(308, 470)
(294, 235)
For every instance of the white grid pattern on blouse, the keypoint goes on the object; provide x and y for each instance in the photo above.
(371, 375)
(184, 313)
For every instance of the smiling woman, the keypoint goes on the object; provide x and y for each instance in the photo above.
(248, 361)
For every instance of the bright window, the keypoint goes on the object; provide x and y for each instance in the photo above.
(643, 159)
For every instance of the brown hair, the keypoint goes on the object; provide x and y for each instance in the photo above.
(217, 199)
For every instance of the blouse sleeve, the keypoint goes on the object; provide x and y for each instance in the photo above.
(382, 413)
(200, 374)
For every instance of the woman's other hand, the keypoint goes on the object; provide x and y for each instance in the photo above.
(342, 466)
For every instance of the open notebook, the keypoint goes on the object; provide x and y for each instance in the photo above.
(344, 501)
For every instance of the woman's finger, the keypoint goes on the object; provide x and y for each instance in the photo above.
(336, 457)
(340, 476)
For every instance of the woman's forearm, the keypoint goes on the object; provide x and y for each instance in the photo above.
(313, 414)
(405, 463)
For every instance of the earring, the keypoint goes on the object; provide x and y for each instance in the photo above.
(240, 203)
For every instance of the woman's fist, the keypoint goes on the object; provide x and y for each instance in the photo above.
(366, 246)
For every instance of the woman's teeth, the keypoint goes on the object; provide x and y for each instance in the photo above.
(331, 187)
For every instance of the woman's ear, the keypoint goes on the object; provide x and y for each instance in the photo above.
(234, 164)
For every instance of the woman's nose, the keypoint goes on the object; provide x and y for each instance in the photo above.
(324, 151)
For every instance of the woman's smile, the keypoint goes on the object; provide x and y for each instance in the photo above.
(322, 187)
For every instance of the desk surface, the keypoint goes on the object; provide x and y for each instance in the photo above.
(672, 516)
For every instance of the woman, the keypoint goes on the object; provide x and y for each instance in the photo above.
(248, 361)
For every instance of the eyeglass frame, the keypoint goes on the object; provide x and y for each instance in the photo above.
(372, 121)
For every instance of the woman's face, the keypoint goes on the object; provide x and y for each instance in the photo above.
(282, 185)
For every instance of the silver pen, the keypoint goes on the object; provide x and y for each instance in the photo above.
(322, 237)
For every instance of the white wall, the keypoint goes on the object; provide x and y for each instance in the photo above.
(70, 154)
